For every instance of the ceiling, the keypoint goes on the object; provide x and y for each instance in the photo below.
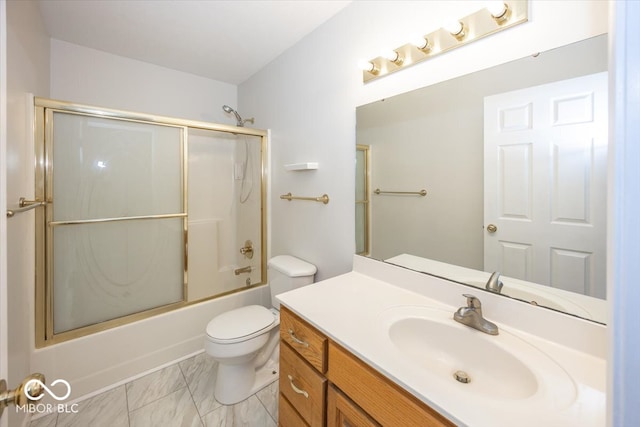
(224, 40)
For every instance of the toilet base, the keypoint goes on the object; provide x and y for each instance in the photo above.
(234, 385)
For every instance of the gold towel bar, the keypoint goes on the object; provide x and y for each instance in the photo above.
(324, 198)
(25, 205)
(419, 193)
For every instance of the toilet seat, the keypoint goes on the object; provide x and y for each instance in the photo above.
(240, 324)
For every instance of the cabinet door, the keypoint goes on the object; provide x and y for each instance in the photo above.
(377, 395)
(287, 416)
(303, 387)
(342, 412)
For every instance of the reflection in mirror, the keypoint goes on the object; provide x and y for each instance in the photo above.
(362, 200)
(513, 159)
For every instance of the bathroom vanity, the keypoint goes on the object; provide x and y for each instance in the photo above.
(319, 378)
(379, 346)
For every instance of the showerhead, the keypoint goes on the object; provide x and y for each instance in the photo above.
(239, 121)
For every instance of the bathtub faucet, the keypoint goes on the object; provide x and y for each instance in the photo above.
(246, 269)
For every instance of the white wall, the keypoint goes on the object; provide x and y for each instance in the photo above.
(308, 95)
(27, 71)
(89, 76)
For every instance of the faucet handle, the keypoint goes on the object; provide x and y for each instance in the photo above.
(472, 301)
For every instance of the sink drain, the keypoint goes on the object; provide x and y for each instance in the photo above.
(462, 377)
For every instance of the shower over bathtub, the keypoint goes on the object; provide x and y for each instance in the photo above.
(143, 215)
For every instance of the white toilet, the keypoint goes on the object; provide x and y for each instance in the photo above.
(244, 341)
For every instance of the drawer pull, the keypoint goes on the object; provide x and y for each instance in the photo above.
(296, 389)
(296, 339)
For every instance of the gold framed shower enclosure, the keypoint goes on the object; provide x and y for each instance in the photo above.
(46, 332)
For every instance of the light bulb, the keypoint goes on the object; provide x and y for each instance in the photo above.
(455, 28)
(421, 43)
(393, 56)
(367, 66)
(497, 9)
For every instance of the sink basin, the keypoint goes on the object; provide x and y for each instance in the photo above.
(502, 367)
(445, 348)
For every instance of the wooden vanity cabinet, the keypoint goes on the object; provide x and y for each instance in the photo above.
(323, 384)
(303, 362)
(342, 412)
(379, 397)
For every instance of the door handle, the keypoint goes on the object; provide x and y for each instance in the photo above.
(491, 228)
(27, 392)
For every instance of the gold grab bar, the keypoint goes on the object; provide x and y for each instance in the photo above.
(419, 193)
(25, 205)
(324, 198)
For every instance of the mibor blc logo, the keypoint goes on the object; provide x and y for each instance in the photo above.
(36, 384)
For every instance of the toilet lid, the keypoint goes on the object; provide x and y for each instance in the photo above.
(240, 322)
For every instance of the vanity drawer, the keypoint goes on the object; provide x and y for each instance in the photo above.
(378, 396)
(304, 339)
(304, 388)
(287, 416)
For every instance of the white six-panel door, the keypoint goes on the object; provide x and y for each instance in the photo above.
(545, 184)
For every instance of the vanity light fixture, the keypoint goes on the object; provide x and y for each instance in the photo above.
(495, 16)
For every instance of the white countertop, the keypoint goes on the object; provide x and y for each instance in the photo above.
(347, 309)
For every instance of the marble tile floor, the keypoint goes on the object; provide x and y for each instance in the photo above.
(179, 395)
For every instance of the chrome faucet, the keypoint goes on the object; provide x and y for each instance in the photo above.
(471, 315)
(494, 284)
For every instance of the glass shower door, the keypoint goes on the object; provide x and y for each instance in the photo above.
(116, 221)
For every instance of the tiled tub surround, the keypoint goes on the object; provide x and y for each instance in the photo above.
(179, 395)
(346, 308)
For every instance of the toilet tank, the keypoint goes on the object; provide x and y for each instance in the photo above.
(285, 273)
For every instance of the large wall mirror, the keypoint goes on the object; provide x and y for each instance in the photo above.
(513, 161)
